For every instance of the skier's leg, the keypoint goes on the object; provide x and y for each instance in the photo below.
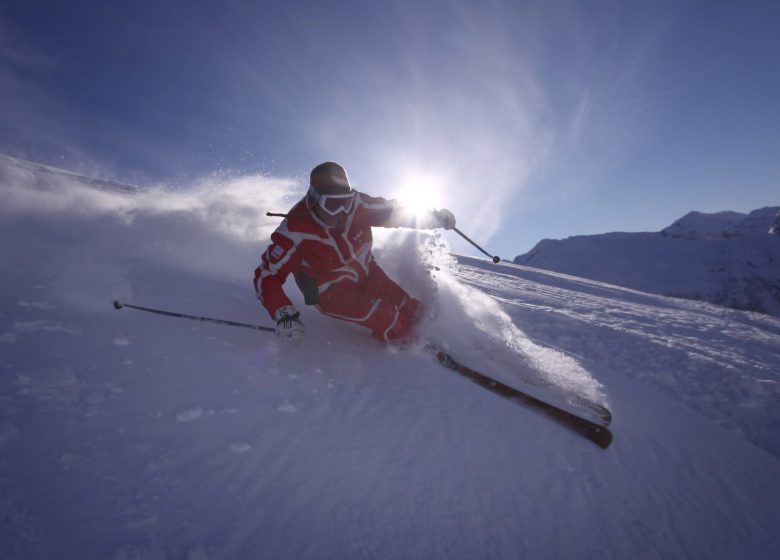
(351, 302)
(383, 287)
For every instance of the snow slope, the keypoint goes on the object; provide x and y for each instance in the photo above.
(726, 258)
(125, 435)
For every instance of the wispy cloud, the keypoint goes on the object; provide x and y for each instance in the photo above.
(458, 99)
(33, 121)
(491, 99)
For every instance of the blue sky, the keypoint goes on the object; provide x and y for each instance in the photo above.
(528, 119)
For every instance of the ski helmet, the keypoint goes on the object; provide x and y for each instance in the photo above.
(329, 178)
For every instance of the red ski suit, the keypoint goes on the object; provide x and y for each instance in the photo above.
(335, 268)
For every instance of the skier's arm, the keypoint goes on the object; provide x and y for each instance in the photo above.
(393, 214)
(275, 265)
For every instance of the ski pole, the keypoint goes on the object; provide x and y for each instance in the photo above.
(119, 305)
(496, 259)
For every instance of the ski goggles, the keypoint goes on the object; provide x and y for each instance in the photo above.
(333, 204)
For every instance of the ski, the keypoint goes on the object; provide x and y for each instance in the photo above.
(604, 414)
(595, 432)
(576, 404)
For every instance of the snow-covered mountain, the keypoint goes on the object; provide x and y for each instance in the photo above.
(727, 258)
(126, 435)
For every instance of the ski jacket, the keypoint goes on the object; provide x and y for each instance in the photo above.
(320, 256)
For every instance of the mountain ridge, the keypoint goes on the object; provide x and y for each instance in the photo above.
(727, 258)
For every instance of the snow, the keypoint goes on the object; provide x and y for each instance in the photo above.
(125, 435)
(726, 258)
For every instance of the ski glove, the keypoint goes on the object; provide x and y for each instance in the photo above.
(288, 324)
(445, 217)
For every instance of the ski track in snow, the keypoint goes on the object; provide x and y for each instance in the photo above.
(724, 364)
(132, 437)
(705, 333)
(46, 325)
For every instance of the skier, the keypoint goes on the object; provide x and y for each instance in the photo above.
(325, 242)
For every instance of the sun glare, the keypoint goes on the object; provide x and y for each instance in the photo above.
(420, 193)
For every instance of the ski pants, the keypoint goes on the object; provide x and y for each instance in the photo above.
(377, 303)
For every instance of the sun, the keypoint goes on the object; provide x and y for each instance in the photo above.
(420, 193)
